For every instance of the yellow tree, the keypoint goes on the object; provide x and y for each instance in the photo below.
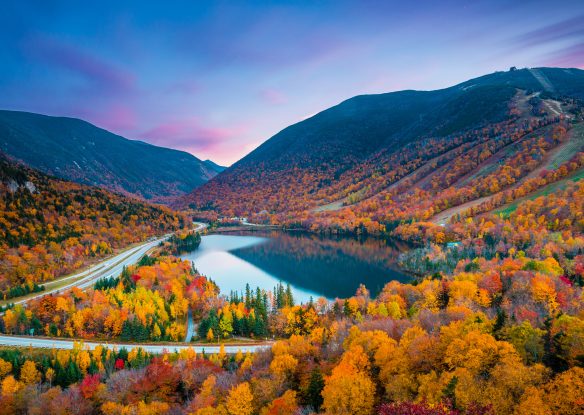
(283, 364)
(532, 403)
(349, 389)
(240, 400)
(209, 410)
(5, 368)
(50, 375)
(9, 321)
(29, 374)
(83, 360)
(10, 386)
(565, 394)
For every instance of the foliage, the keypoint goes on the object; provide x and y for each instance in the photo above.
(50, 227)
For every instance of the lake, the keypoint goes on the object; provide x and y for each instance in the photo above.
(313, 265)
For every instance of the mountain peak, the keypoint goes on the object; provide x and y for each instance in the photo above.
(77, 150)
(337, 151)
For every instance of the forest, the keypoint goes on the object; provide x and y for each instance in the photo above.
(430, 179)
(146, 302)
(490, 200)
(50, 227)
(493, 325)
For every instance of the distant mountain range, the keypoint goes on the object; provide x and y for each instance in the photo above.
(76, 150)
(351, 151)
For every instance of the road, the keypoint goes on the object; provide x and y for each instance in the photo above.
(246, 223)
(110, 267)
(38, 342)
(191, 326)
(113, 266)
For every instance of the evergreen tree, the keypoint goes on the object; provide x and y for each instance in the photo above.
(289, 296)
(247, 296)
(313, 393)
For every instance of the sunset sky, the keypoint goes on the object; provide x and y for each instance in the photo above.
(218, 78)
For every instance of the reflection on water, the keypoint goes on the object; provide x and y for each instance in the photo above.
(314, 266)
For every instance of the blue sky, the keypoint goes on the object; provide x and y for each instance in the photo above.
(219, 78)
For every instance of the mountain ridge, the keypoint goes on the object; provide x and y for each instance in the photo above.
(365, 143)
(77, 150)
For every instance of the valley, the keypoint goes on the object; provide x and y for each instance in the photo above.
(398, 253)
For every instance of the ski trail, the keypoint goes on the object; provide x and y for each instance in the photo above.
(543, 80)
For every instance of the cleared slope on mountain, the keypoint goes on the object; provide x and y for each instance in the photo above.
(560, 166)
(372, 152)
(79, 151)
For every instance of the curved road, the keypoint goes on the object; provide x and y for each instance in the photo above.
(109, 267)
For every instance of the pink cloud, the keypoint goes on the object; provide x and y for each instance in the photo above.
(117, 117)
(102, 75)
(570, 57)
(273, 96)
(192, 136)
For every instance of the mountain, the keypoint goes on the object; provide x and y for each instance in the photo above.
(214, 166)
(365, 146)
(50, 227)
(79, 151)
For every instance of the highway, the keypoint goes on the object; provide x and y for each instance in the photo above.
(40, 342)
(109, 267)
(112, 267)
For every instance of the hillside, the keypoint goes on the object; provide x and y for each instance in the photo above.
(79, 151)
(214, 166)
(494, 327)
(50, 227)
(376, 159)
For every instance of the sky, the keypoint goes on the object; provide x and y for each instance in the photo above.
(217, 79)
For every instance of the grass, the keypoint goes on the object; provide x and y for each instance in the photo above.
(330, 206)
(505, 211)
(575, 144)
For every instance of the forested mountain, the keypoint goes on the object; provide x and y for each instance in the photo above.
(214, 166)
(495, 328)
(49, 226)
(79, 151)
(491, 323)
(375, 159)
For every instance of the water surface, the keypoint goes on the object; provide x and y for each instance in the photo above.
(313, 265)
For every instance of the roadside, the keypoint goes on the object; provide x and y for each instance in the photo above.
(50, 343)
(109, 266)
(113, 266)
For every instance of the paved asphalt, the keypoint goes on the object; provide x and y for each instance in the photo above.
(106, 268)
(40, 342)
